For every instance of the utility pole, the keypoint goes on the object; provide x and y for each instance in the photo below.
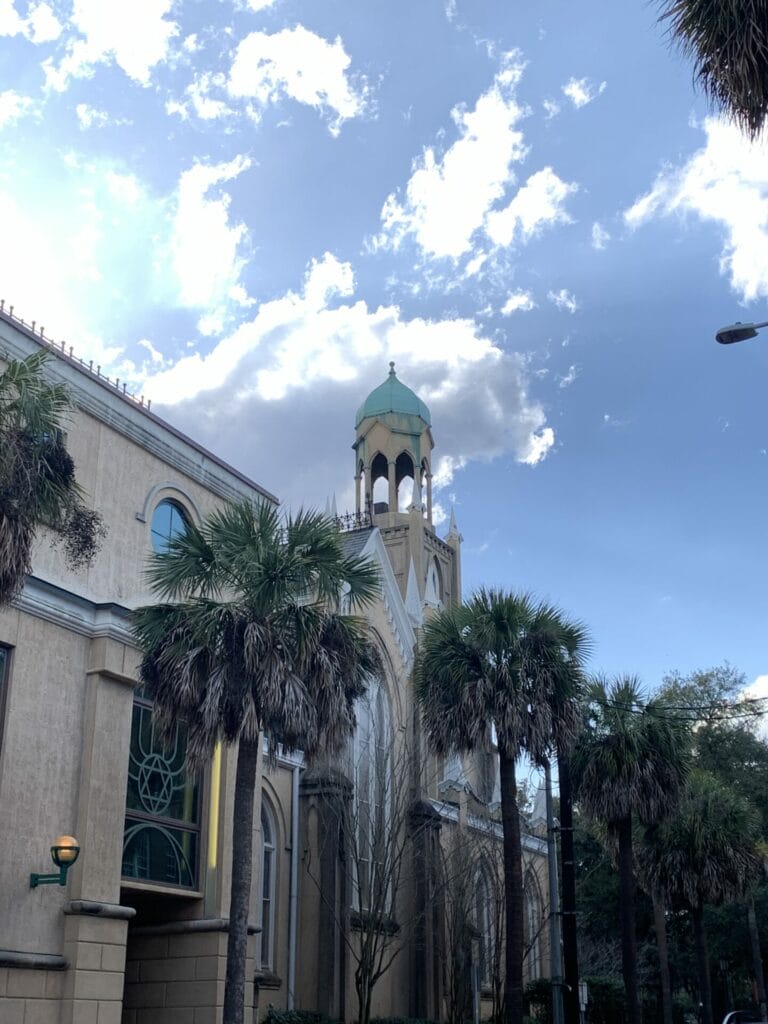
(555, 954)
(568, 868)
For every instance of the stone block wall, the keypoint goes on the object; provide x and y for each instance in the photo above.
(30, 996)
(178, 978)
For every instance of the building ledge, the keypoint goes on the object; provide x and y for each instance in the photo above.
(32, 961)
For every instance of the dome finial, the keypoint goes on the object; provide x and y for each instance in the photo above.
(392, 368)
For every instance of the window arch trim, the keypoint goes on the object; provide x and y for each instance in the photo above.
(169, 491)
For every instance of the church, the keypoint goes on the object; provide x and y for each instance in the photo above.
(375, 878)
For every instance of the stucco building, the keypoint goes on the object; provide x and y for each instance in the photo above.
(138, 934)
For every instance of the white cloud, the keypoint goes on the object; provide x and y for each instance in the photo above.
(40, 26)
(198, 97)
(727, 182)
(135, 35)
(309, 357)
(551, 109)
(564, 299)
(519, 301)
(600, 237)
(568, 379)
(300, 65)
(260, 5)
(157, 357)
(541, 201)
(206, 246)
(13, 107)
(121, 240)
(43, 25)
(11, 22)
(580, 91)
(92, 117)
(448, 197)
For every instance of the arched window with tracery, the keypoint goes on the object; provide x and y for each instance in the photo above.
(371, 772)
(484, 922)
(268, 879)
(532, 921)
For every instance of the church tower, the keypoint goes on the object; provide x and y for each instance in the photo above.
(393, 483)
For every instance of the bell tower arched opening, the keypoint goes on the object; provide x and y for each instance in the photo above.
(404, 478)
(380, 483)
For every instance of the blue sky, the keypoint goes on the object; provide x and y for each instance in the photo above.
(246, 209)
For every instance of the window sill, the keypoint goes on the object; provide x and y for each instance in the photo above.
(267, 979)
(360, 919)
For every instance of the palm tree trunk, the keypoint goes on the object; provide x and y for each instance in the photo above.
(571, 1009)
(702, 960)
(513, 888)
(242, 867)
(660, 924)
(757, 958)
(627, 920)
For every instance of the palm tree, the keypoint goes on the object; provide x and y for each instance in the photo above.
(728, 42)
(37, 475)
(706, 853)
(506, 662)
(249, 643)
(630, 762)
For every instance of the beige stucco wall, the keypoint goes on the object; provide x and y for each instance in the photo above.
(39, 773)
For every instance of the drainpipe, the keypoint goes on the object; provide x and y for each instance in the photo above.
(294, 888)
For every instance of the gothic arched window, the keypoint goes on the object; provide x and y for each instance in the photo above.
(434, 590)
(371, 772)
(532, 927)
(484, 914)
(267, 904)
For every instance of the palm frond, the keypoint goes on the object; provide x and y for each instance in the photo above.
(707, 852)
(632, 758)
(728, 43)
(250, 639)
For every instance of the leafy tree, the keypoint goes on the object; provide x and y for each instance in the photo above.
(728, 42)
(705, 854)
(507, 662)
(248, 642)
(630, 763)
(37, 475)
(725, 744)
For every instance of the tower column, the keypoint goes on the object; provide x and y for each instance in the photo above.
(358, 479)
(392, 487)
(368, 489)
(429, 496)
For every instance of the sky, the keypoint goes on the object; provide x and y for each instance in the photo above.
(244, 209)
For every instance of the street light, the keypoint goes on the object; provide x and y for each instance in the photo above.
(738, 332)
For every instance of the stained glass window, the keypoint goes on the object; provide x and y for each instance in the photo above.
(162, 816)
(484, 911)
(373, 786)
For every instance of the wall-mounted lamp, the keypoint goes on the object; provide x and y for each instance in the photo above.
(64, 853)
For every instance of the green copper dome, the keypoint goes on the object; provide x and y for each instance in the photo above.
(392, 396)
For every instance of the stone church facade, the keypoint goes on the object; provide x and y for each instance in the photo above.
(138, 933)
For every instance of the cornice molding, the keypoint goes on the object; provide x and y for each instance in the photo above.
(72, 612)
